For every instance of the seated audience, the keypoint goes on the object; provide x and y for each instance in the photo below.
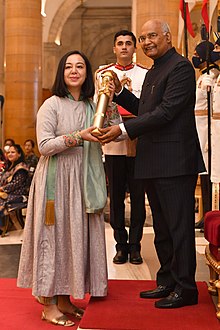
(8, 142)
(14, 181)
(30, 158)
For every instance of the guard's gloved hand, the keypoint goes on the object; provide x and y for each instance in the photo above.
(208, 80)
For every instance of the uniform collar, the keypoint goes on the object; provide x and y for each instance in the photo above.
(211, 66)
(124, 68)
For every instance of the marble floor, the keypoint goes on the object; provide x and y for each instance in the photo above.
(10, 251)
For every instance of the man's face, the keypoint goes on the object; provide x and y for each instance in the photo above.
(154, 42)
(124, 49)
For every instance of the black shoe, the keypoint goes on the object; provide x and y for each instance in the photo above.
(160, 292)
(174, 300)
(199, 224)
(121, 257)
(135, 258)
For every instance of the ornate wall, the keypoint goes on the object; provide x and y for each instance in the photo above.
(90, 30)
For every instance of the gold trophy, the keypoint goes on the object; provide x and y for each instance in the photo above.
(102, 104)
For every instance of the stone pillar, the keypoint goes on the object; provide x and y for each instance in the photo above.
(145, 10)
(23, 56)
(51, 59)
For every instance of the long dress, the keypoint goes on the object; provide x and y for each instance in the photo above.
(68, 258)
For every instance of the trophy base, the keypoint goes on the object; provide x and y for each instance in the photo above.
(96, 132)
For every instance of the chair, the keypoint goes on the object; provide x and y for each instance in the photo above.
(14, 215)
(212, 253)
(198, 196)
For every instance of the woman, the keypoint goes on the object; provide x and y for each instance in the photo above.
(14, 181)
(63, 252)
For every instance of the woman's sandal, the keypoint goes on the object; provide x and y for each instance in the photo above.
(77, 312)
(62, 320)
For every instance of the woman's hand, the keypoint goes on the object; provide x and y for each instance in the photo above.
(86, 134)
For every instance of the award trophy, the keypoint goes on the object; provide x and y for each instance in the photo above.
(103, 99)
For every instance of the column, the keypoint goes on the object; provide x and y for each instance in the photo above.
(164, 10)
(23, 56)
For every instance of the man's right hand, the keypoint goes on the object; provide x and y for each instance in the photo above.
(117, 83)
(109, 134)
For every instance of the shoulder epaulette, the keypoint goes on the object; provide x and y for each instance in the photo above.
(142, 66)
(104, 67)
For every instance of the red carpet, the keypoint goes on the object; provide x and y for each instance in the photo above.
(124, 310)
(20, 311)
(121, 310)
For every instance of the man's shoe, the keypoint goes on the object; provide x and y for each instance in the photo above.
(135, 258)
(199, 224)
(175, 300)
(121, 257)
(160, 292)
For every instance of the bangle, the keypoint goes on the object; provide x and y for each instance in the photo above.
(73, 139)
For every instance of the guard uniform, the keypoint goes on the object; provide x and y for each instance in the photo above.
(201, 115)
(119, 163)
(215, 146)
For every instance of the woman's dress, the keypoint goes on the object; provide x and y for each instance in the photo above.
(69, 257)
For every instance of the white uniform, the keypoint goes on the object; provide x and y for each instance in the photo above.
(137, 74)
(215, 129)
(215, 145)
(201, 114)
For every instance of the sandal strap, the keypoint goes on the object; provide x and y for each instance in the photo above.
(62, 320)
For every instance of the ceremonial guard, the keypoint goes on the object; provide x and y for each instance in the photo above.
(201, 113)
(215, 129)
(120, 156)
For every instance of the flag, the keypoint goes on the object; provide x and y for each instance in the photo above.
(205, 14)
(189, 6)
(188, 20)
(212, 6)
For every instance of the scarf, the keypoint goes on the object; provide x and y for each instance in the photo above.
(95, 193)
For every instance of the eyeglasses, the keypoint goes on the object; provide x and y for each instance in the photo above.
(150, 36)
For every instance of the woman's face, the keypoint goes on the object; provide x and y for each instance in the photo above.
(13, 154)
(75, 72)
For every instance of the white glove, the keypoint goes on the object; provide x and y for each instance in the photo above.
(208, 80)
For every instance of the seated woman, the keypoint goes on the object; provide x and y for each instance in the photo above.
(14, 181)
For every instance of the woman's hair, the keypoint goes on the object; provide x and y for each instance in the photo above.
(12, 142)
(59, 87)
(20, 159)
(31, 141)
